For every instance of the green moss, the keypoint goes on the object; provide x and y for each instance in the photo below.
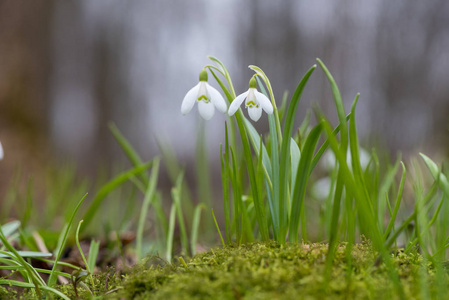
(6, 293)
(267, 271)
(272, 271)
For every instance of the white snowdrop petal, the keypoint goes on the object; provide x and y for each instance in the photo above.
(365, 158)
(217, 99)
(264, 102)
(329, 160)
(1, 151)
(321, 188)
(255, 113)
(189, 99)
(206, 110)
(236, 103)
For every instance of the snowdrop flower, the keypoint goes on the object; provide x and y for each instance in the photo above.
(208, 98)
(1, 151)
(321, 188)
(255, 101)
(329, 159)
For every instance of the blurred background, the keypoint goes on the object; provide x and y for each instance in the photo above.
(67, 68)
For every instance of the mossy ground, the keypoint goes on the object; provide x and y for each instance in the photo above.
(267, 271)
(272, 271)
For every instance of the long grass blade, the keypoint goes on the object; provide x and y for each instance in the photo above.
(285, 154)
(61, 248)
(218, 229)
(301, 181)
(338, 105)
(397, 204)
(195, 227)
(274, 199)
(149, 196)
(225, 175)
(171, 233)
(437, 175)
(93, 254)
(89, 271)
(176, 195)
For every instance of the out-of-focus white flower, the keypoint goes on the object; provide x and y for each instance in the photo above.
(1, 151)
(255, 102)
(321, 188)
(207, 97)
(329, 159)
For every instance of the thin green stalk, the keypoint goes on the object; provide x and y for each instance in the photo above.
(149, 196)
(226, 73)
(397, 204)
(65, 233)
(302, 177)
(195, 227)
(176, 195)
(225, 169)
(226, 206)
(351, 220)
(203, 176)
(93, 254)
(339, 106)
(170, 233)
(218, 229)
(274, 175)
(386, 185)
(243, 224)
(334, 224)
(260, 172)
(354, 147)
(89, 271)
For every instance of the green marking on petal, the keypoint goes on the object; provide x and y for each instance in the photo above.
(251, 104)
(203, 97)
